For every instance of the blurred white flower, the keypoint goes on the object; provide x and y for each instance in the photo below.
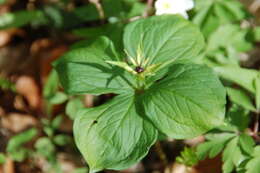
(173, 7)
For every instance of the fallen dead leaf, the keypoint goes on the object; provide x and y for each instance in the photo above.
(17, 122)
(27, 87)
(210, 165)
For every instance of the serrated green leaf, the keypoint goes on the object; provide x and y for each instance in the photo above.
(211, 14)
(18, 19)
(160, 39)
(49, 131)
(18, 140)
(238, 117)
(241, 98)
(257, 92)
(188, 157)
(186, 103)
(44, 147)
(56, 122)
(253, 165)
(230, 35)
(114, 31)
(232, 156)
(84, 70)
(247, 143)
(58, 98)
(241, 76)
(214, 146)
(114, 135)
(61, 139)
(51, 85)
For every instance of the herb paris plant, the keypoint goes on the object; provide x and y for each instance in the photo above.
(167, 93)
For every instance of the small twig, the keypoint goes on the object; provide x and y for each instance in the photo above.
(161, 153)
(149, 6)
(254, 133)
(254, 6)
(99, 8)
(256, 125)
(89, 101)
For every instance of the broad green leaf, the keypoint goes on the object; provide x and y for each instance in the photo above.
(241, 76)
(73, 106)
(84, 70)
(247, 143)
(256, 33)
(18, 19)
(18, 140)
(222, 56)
(257, 92)
(160, 39)
(239, 97)
(114, 31)
(81, 170)
(186, 103)
(114, 135)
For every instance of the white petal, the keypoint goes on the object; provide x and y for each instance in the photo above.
(184, 14)
(173, 7)
(189, 4)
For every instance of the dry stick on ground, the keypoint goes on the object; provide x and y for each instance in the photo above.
(8, 166)
(256, 125)
(149, 6)
(254, 132)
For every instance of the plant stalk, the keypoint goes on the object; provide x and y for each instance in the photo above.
(161, 154)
